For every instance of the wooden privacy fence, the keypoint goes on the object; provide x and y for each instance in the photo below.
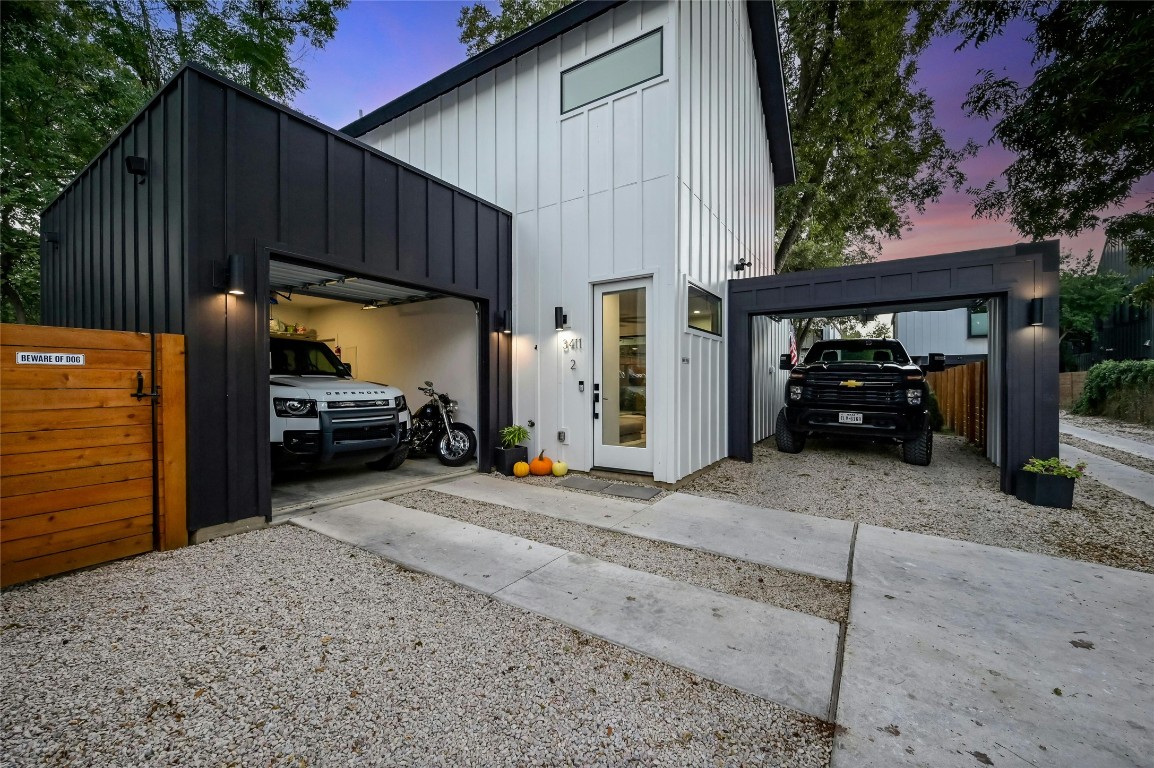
(76, 448)
(962, 396)
(1070, 387)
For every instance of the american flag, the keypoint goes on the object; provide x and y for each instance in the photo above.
(792, 349)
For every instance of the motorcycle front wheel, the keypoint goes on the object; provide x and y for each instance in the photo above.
(457, 446)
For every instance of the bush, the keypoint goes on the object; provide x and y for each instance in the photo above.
(1119, 389)
(937, 421)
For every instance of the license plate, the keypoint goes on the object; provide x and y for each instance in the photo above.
(849, 418)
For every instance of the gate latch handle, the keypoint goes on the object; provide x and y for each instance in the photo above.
(140, 394)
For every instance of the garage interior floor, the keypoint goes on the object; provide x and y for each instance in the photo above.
(306, 491)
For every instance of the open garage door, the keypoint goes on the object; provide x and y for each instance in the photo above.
(391, 339)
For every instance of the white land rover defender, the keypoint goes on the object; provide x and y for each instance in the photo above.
(320, 413)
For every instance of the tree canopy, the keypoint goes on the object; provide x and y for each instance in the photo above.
(1087, 296)
(1083, 130)
(75, 72)
(481, 29)
(865, 143)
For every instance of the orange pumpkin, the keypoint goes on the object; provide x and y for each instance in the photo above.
(521, 469)
(541, 465)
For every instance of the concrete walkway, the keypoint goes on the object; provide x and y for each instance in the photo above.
(1136, 447)
(779, 655)
(816, 546)
(965, 655)
(1130, 481)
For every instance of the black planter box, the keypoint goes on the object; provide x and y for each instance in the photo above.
(1045, 490)
(505, 458)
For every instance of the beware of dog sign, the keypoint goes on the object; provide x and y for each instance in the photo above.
(49, 358)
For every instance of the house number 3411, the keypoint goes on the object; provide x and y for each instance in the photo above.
(568, 345)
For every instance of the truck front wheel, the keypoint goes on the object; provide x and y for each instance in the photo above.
(787, 441)
(920, 450)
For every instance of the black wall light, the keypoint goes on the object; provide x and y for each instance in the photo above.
(505, 322)
(1036, 311)
(560, 319)
(232, 279)
(740, 265)
(137, 166)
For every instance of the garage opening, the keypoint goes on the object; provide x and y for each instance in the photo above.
(1020, 284)
(364, 431)
(865, 379)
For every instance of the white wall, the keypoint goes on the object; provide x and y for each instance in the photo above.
(943, 331)
(769, 340)
(724, 209)
(403, 345)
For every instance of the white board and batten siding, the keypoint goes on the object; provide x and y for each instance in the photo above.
(944, 331)
(614, 190)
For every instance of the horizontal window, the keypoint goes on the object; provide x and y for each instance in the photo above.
(624, 67)
(704, 311)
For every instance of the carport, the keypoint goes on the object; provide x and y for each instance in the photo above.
(193, 201)
(1022, 283)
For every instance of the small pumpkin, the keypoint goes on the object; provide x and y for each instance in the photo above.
(521, 469)
(542, 465)
(560, 469)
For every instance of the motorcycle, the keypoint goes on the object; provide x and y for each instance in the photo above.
(434, 431)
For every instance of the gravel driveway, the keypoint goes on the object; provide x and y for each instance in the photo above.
(284, 647)
(957, 496)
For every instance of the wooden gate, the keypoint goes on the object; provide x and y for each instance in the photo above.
(76, 448)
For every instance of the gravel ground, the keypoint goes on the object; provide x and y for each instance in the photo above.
(1138, 432)
(956, 497)
(284, 647)
(1122, 457)
(794, 591)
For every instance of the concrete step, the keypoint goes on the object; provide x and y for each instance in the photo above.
(776, 654)
(816, 546)
(1132, 482)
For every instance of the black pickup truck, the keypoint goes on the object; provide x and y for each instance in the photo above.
(867, 388)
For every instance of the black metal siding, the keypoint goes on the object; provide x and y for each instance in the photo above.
(232, 172)
(1016, 273)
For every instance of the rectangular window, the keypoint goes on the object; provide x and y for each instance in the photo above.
(979, 321)
(623, 67)
(704, 311)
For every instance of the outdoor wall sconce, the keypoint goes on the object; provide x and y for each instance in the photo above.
(137, 166)
(740, 265)
(1036, 311)
(504, 323)
(560, 319)
(232, 281)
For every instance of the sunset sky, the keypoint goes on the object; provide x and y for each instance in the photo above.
(385, 48)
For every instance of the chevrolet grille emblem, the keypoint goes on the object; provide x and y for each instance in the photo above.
(852, 383)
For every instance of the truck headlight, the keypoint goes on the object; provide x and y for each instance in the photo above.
(294, 408)
(794, 392)
(914, 396)
(400, 403)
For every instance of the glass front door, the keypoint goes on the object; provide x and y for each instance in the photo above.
(621, 390)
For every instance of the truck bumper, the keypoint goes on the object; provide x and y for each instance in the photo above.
(342, 434)
(897, 425)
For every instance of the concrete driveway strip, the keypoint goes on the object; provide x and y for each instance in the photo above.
(474, 557)
(965, 655)
(780, 655)
(564, 505)
(1136, 447)
(817, 546)
(1132, 482)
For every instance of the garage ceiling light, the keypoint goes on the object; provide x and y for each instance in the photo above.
(372, 305)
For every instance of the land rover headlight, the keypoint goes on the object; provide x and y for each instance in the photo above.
(914, 396)
(294, 408)
(794, 392)
(400, 403)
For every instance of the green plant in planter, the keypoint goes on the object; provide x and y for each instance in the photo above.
(513, 435)
(1055, 466)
